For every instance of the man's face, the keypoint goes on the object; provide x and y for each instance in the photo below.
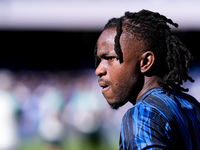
(120, 82)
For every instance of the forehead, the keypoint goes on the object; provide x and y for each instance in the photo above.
(106, 42)
(108, 33)
(128, 42)
(107, 38)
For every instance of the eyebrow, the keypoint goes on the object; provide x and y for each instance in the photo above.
(105, 53)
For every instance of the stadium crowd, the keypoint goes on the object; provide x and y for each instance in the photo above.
(55, 106)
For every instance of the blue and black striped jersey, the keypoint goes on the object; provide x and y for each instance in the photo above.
(162, 121)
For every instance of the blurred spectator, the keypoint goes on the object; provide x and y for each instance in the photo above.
(23, 89)
(51, 103)
(9, 109)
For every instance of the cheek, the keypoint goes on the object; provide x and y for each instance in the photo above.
(123, 76)
(126, 80)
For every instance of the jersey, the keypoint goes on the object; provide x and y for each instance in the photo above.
(161, 121)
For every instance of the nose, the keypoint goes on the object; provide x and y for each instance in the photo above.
(100, 70)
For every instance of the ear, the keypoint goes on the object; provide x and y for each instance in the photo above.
(146, 61)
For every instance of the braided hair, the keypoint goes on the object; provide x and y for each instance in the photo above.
(172, 56)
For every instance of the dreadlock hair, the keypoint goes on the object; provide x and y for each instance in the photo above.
(172, 56)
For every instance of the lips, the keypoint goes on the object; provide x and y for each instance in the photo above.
(104, 84)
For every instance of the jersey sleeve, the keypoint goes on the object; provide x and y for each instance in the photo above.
(143, 128)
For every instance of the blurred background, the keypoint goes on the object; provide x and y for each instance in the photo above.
(49, 95)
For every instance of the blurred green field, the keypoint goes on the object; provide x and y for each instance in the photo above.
(70, 144)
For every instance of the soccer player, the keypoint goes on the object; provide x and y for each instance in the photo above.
(138, 59)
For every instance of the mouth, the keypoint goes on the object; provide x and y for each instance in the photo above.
(104, 89)
(105, 86)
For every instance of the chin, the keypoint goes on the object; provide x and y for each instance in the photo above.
(117, 104)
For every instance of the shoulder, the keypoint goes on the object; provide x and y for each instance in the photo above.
(145, 124)
(148, 114)
(149, 110)
(154, 102)
(158, 117)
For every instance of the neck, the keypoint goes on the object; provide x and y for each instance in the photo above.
(149, 83)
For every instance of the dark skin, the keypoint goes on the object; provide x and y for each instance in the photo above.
(126, 81)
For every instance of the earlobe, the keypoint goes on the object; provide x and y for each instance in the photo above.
(147, 61)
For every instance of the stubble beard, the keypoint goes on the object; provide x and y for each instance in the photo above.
(117, 104)
(129, 94)
(121, 98)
